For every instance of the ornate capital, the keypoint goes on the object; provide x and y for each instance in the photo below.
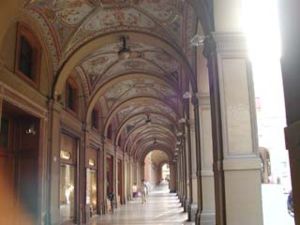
(209, 46)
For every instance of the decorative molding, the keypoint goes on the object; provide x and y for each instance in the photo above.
(238, 164)
(230, 42)
(14, 97)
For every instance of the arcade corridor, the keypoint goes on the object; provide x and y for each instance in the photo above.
(161, 208)
(98, 95)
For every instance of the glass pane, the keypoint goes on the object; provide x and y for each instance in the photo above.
(91, 190)
(67, 189)
(26, 58)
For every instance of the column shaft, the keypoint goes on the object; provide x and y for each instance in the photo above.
(236, 163)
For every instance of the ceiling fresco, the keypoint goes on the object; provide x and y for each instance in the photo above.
(105, 64)
(147, 81)
(74, 22)
(140, 120)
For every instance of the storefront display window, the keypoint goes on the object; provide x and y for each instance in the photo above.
(67, 191)
(91, 190)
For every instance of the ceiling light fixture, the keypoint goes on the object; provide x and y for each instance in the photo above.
(197, 40)
(148, 120)
(124, 52)
(31, 130)
(179, 133)
(154, 141)
(186, 95)
(182, 120)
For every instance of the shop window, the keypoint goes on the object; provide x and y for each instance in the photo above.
(67, 192)
(95, 120)
(4, 133)
(28, 55)
(91, 190)
(68, 148)
(71, 96)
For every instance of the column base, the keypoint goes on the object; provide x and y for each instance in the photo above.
(192, 211)
(186, 203)
(206, 218)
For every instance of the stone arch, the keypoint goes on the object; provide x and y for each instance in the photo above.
(87, 48)
(105, 86)
(128, 102)
(141, 157)
(119, 131)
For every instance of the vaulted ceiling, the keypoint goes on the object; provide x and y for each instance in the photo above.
(146, 83)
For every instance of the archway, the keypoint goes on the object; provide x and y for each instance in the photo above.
(153, 165)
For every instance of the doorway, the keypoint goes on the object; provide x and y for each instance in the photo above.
(19, 154)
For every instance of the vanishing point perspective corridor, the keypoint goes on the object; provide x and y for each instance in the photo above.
(161, 208)
(99, 97)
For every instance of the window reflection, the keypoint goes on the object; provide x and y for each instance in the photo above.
(91, 189)
(67, 199)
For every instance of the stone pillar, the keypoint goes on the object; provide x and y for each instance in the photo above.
(135, 172)
(193, 167)
(101, 182)
(208, 200)
(186, 173)
(54, 161)
(130, 177)
(236, 162)
(142, 171)
(124, 179)
(115, 176)
(172, 184)
(81, 178)
(180, 178)
(195, 103)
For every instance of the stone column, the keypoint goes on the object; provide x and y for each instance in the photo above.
(236, 163)
(101, 182)
(135, 172)
(115, 176)
(124, 179)
(130, 184)
(180, 178)
(182, 182)
(208, 200)
(172, 184)
(83, 142)
(193, 167)
(186, 173)
(54, 161)
(195, 103)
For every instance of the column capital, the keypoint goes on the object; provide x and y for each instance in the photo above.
(209, 46)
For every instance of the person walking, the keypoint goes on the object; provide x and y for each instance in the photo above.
(144, 191)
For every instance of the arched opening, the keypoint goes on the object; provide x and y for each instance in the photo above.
(165, 172)
(155, 169)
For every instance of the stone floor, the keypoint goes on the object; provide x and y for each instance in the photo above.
(161, 208)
